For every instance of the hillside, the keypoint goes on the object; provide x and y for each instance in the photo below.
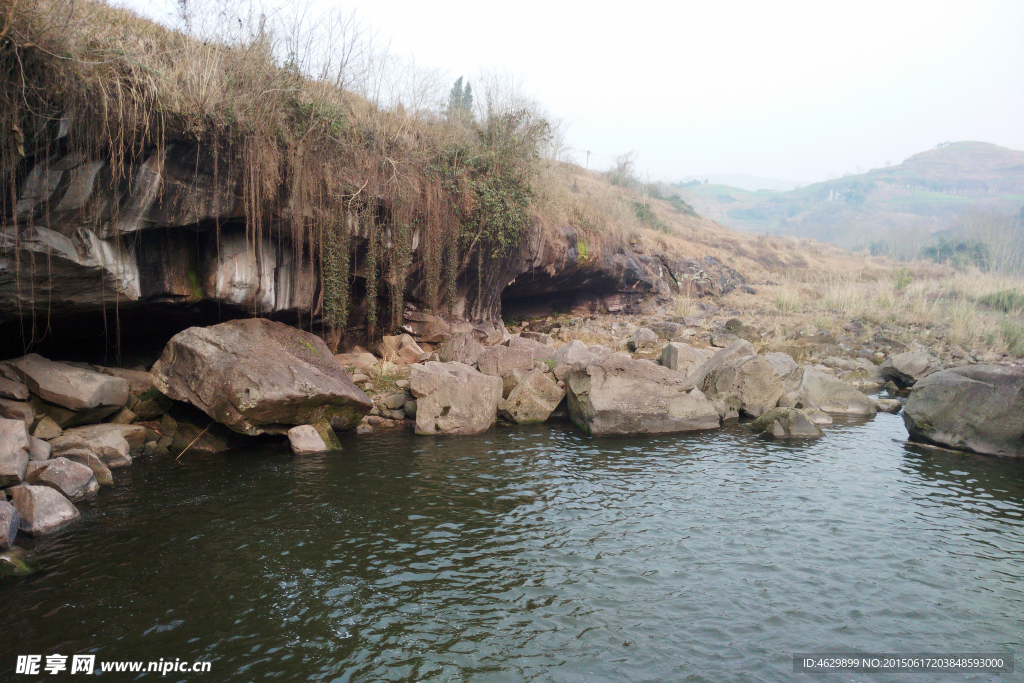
(926, 192)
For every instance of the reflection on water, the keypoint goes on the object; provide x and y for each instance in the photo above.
(538, 554)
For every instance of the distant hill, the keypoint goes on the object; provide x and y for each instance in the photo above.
(745, 181)
(924, 193)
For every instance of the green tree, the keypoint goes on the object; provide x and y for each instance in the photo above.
(460, 101)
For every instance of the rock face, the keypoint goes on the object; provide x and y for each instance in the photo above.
(453, 398)
(257, 376)
(10, 521)
(751, 380)
(906, 369)
(73, 480)
(14, 451)
(786, 423)
(682, 358)
(830, 395)
(42, 509)
(113, 444)
(533, 399)
(974, 408)
(617, 395)
(69, 386)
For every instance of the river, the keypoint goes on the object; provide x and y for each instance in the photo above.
(536, 554)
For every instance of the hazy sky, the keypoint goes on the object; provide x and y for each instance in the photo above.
(798, 91)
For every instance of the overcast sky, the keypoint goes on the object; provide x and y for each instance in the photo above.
(795, 91)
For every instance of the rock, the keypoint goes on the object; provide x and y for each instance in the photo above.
(70, 387)
(113, 444)
(500, 361)
(256, 376)
(123, 417)
(74, 480)
(38, 450)
(453, 398)
(751, 379)
(736, 326)
(538, 350)
(395, 401)
(140, 382)
(738, 348)
(47, 429)
(667, 330)
(13, 390)
(541, 337)
(151, 406)
(402, 384)
(642, 338)
(401, 349)
(359, 378)
(785, 423)
(42, 509)
(786, 368)
(92, 461)
(723, 339)
(818, 417)
(888, 405)
(460, 348)
(578, 352)
(682, 358)
(10, 521)
(974, 408)
(617, 395)
(891, 387)
(305, 440)
(14, 452)
(16, 410)
(906, 369)
(534, 398)
(410, 409)
(196, 432)
(426, 327)
(828, 394)
(12, 563)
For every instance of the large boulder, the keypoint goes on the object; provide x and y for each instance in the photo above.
(93, 462)
(113, 444)
(453, 398)
(539, 350)
(786, 423)
(573, 353)
(682, 357)
(42, 509)
(10, 521)
(786, 368)
(642, 338)
(12, 390)
(401, 349)
(750, 380)
(306, 440)
(460, 348)
(973, 408)
(257, 376)
(71, 387)
(14, 451)
(500, 361)
(75, 481)
(619, 395)
(906, 369)
(736, 349)
(831, 395)
(533, 399)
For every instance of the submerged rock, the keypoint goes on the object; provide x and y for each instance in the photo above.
(453, 398)
(617, 395)
(42, 509)
(973, 408)
(257, 376)
(786, 423)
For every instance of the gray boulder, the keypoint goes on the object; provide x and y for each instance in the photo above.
(18, 410)
(667, 330)
(14, 451)
(974, 408)
(642, 338)
(38, 449)
(46, 429)
(534, 398)
(306, 440)
(617, 395)
(256, 376)
(539, 350)
(74, 480)
(682, 358)
(831, 395)
(751, 379)
(786, 423)
(42, 509)
(69, 386)
(13, 390)
(786, 368)
(740, 347)
(453, 398)
(541, 337)
(576, 352)
(500, 361)
(92, 461)
(113, 444)
(10, 521)
(906, 369)
(461, 348)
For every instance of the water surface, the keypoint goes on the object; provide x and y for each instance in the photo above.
(537, 554)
